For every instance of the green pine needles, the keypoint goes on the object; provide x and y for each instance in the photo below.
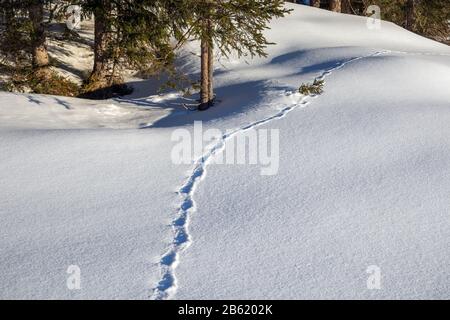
(310, 89)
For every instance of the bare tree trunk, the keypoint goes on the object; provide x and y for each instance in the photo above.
(336, 5)
(39, 52)
(204, 89)
(8, 11)
(315, 3)
(211, 73)
(207, 68)
(100, 76)
(410, 15)
(346, 6)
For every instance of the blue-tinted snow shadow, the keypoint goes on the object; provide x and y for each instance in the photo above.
(231, 101)
(234, 99)
(301, 55)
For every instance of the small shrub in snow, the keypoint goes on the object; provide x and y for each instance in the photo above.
(52, 83)
(44, 81)
(314, 88)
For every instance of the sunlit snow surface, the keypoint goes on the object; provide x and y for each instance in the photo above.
(363, 178)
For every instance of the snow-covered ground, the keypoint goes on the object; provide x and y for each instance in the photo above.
(363, 178)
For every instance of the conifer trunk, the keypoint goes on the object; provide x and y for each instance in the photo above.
(204, 90)
(315, 3)
(346, 6)
(9, 16)
(40, 58)
(207, 68)
(336, 5)
(100, 76)
(410, 15)
(210, 72)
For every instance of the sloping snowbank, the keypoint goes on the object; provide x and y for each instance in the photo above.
(39, 112)
(363, 180)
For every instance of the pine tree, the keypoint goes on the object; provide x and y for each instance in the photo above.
(14, 32)
(356, 7)
(432, 19)
(23, 50)
(129, 34)
(229, 26)
(346, 6)
(40, 58)
(23, 33)
(207, 56)
(100, 76)
(426, 17)
(410, 14)
(315, 3)
(335, 5)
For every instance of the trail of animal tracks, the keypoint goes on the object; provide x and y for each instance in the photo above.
(182, 239)
(353, 190)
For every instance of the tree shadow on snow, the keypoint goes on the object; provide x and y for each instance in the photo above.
(231, 101)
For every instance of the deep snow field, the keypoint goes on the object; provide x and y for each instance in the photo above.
(363, 178)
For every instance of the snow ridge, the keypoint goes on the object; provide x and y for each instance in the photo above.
(167, 287)
(418, 53)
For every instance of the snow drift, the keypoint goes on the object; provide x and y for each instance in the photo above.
(363, 179)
